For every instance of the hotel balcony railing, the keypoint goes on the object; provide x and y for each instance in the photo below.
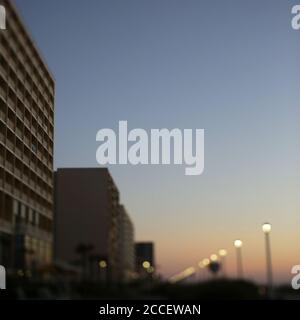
(11, 124)
(2, 114)
(11, 102)
(8, 187)
(9, 165)
(2, 137)
(19, 133)
(12, 82)
(3, 71)
(27, 122)
(2, 91)
(10, 144)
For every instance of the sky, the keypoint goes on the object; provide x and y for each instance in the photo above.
(229, 67)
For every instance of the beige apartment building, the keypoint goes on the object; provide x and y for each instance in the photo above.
(26, 148)
(86, 218)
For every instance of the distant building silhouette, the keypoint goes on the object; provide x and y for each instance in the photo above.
(26, 148)
(126, 255)
(91, 228)
(144, 258)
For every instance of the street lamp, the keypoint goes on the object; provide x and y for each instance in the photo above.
(146, 265)
(205, 262)
(223, 254)
(238, 245)
(150, 270)
(203, 265)
(103, 271)
(214, 258)
(102, 264)
(266, 227)
(201, 269)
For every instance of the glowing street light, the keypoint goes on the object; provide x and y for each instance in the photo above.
(201, 270)
(214, 258)
(185, 274)
(146, 264)
(266, 227)
(205, 262)
(150, 269)
(222, 253)
(238, 245)
(102, 264)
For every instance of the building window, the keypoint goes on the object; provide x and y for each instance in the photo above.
(16, 207)
(30, 216)
(23, 211)
(34, 147)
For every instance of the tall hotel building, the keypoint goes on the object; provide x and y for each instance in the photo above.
(26, 148)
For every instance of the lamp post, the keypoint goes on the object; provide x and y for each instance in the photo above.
(146, 265)
(203, 265)
(213, 258)
(223, 254)
(238, 245)
(201, 270)
(266, 227)
(103, 271)
(205, 262)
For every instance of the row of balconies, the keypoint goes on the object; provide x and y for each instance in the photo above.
(24, 129)
(37, 144)
(26, 178)
(22, 101)
(43, 144)
(27, 163)
(28, 149)
(24, 193)
(24, 90)
(26, 55)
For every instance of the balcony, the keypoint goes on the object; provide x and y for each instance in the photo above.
(10, 144)
(9, 166)
(8, 186)
(11, 124)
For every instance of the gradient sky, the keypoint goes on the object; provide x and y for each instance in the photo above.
(230, 67)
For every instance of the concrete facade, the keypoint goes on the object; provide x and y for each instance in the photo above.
(26, 148)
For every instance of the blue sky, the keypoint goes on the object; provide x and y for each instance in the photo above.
(230, 67)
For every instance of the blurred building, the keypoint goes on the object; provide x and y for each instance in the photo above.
(126, 255)
(86, 217)
(26, 148)
(144, 258)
